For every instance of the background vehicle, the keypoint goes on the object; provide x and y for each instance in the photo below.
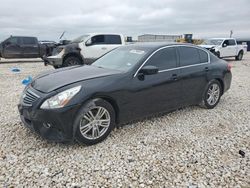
(130, 82)
(23, 47)
(225, 47)
(50, 45)
(84, 49)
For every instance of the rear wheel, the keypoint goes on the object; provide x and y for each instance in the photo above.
(71, 61)
(239, 56)
(212, 94)
(94, 122)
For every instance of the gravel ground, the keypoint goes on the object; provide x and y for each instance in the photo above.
(192, 147)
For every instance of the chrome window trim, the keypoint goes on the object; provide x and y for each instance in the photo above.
(181, 67)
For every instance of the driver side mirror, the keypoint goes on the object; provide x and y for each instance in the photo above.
(224, 45)
(149, 70)
(88, 42)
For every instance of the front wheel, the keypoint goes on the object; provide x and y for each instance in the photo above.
(56, 66)
(212, 94)
(95, 121)
(239, 56)
(72, 61)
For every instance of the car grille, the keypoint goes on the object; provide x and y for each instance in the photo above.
(29, 97)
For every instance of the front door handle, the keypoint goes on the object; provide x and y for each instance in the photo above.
(206, 69)
(174, 77)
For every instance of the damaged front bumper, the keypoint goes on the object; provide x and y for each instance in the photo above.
(52, 60)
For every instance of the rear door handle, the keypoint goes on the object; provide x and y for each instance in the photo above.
(104, 48)
(174, 77)
(206, 69)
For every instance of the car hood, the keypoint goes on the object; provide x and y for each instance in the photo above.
(206, 46)
(56, 79)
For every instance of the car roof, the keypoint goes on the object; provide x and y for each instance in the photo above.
(156, 45)
(22, 36)
(91, 34)
(221, 38)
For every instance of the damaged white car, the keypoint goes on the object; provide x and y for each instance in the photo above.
(225, 47)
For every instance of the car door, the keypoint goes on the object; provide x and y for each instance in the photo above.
(158, 92)
(225, 51)
(99, 45)
(194, 66)
(95, 47)
(232, 47)
(112, 42)
(12, 48)
(30, 47)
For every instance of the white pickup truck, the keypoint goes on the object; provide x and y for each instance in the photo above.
(84, 49)
(225, 47)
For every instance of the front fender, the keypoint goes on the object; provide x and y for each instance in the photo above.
(72, 50)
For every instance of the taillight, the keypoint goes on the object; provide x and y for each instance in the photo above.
(229, 66)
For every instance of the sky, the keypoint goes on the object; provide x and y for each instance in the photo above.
(47, 19)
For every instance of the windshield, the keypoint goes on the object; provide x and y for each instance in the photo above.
(79, 39)
(213, 42)
(122, 59)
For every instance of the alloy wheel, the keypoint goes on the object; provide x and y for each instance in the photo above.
(95, 123)
(213, 94)
(73, 62)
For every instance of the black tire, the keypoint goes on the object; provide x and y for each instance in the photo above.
(205, 99)
(56, 66)
(72, 61)
(239, 56)
(90, 106)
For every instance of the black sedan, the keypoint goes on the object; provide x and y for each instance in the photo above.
(85, 103)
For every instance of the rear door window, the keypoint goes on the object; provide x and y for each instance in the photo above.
(203, 56)
(113, 39)
(164, 59)
(188, 56)
(29, 41)
(231, 42)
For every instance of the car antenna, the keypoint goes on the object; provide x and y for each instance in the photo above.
(62, 34)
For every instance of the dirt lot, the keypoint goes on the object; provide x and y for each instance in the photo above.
(189, 147)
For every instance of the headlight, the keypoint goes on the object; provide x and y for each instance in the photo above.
(61, 99)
